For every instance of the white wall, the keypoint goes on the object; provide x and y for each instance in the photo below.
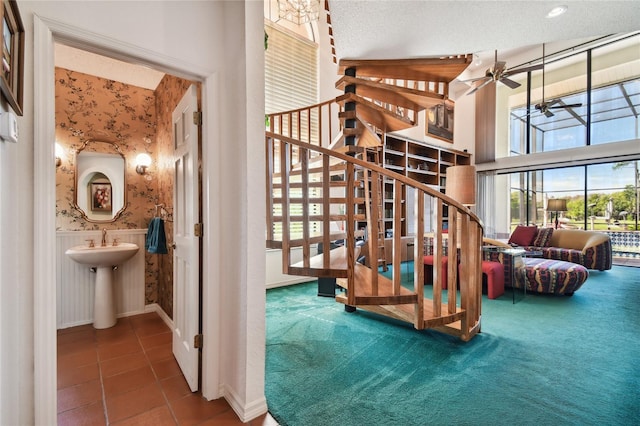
(223, 43)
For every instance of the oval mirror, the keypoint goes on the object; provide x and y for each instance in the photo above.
(100, 189)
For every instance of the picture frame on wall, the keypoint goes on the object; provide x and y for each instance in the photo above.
(439, 120)
(101, 197)
(12, 42)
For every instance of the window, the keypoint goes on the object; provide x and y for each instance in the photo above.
(291, 82)
(570, 107)
(604, 197)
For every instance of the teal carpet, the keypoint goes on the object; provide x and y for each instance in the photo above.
(547, 360)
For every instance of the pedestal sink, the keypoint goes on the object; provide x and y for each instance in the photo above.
(104, 259)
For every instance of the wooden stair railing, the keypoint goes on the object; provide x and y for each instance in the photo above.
(327, 193)
(316, 124)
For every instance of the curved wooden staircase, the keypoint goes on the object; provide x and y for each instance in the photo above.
(318, 195)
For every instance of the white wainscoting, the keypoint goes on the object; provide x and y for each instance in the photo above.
(75, 283)
(275, 277)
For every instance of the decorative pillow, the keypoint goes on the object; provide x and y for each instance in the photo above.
(543, 237)
(523, 235)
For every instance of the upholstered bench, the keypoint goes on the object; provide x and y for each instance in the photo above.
(550, 276)
(494, 271)
(428, 270)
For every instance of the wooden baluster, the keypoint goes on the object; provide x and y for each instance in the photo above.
(437, 259)
(350, 237)
(397, 236)
(285, 168)
(372, 211)
(454, 241)
(418, 265)
(269, 150)
(326, 208)
(306, 245)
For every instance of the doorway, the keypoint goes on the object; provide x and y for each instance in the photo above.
(45, 35)
(102, 99)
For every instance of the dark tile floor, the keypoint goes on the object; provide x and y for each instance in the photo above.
(127, 375)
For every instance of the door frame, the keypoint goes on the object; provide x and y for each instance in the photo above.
(46, 33)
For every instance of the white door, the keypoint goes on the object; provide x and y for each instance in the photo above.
(186, 252)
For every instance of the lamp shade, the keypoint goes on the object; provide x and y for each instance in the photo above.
(461, 184)
(557, 205)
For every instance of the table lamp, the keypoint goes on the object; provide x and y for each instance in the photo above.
(557, 205)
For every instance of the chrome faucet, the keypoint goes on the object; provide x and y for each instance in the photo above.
(104, 237)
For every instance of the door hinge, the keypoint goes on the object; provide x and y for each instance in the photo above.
(197, 118)
(197, 230)
(197, 341)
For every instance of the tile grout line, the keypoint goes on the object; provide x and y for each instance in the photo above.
(104, 394)
(164, 395)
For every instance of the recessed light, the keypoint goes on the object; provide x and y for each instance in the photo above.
(557, 11)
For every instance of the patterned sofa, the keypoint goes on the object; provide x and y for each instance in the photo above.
(591, 250)
(587, 248)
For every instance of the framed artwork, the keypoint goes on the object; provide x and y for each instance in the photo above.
(12, 40)
(440, 121)
(101, 197)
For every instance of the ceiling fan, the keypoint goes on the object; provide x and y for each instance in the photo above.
(545, 107)
(499, 72)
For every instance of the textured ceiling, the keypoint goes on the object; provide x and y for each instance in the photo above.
(383, 29)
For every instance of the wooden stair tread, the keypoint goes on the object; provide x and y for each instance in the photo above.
(422, 69)
(376, 115)
(402, 312)
(368, 137)
(396, 95)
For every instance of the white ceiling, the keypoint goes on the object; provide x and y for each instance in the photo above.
(101, 66)
(385, 29)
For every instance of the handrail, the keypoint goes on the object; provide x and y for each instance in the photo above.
(385, 172)
(323, 115)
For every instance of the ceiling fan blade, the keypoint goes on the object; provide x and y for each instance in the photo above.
(478, 87)
(525, 69)
(471, 80)
(567, 106)
(551, 102)
(510, 83)
(548, 113)
(499, 67)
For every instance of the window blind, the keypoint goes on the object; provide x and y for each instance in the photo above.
(291, 71)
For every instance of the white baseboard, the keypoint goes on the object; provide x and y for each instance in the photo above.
(246, 412)
(154, 307)
(292, 281)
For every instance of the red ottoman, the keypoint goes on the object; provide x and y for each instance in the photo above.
(551, 276)
(495, 278)
(428, 270)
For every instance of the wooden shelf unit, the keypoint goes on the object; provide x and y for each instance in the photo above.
(417, 160)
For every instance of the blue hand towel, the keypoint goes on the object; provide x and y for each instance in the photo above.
(156, 241)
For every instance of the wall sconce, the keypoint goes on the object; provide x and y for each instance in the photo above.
(59, 154)
(143, 161)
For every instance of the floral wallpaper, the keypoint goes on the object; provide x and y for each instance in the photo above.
(137, 120)
(92, 108)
